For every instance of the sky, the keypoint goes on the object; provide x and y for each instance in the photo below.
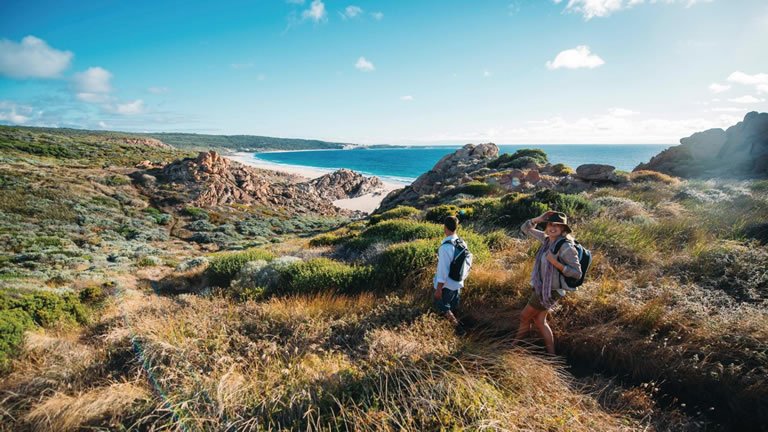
(397, 72)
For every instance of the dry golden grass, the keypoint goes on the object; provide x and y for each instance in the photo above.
(62, 412)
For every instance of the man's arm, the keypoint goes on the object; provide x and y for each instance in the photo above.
(443, 267)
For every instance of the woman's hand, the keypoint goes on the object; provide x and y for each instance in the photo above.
(552, 258)
(543, 217)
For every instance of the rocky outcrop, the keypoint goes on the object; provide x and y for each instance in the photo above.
(741, 151)
(345, 183)
(211, 180)
(452, 170)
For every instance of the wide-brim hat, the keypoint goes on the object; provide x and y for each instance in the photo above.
(559, 218)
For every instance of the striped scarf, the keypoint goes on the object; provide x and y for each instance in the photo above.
(541, 278)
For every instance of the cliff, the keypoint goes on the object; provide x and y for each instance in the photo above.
(741, 151)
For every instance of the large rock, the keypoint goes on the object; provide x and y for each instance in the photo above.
(450, 171)
(345, 183)
(741, 151)
(597, 173)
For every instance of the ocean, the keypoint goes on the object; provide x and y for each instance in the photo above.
(403, 165)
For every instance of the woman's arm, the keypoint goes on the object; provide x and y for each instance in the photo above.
(569, 257)
(529, 227)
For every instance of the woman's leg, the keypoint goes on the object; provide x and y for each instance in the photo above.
(526, 318)
(545, 331)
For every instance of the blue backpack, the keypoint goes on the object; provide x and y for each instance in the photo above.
(585, 260)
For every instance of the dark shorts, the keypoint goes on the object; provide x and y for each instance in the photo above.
(535, 301)
(449, 301)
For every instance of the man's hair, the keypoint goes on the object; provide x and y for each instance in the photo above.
(451, 222)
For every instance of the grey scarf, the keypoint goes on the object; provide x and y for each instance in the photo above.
(542, 275)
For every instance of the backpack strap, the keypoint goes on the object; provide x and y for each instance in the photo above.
(559, 244)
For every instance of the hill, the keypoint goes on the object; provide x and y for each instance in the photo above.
(196, 142)
(191, 293)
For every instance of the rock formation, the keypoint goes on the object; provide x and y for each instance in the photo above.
(741, 151)
(211, 180)
(345, 183)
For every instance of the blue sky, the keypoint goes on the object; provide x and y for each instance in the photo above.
(535, 71)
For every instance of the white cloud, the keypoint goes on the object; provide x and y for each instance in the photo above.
(378, 16)
(316, 11)
(748, 99)
(486, 73)
(621, 112)
(739, 77)
(32, 58)
(728, 109)
(103, 125)
(759, 80)
(158, 90)
(130, 108)
(602, 8)
(406, 98)
(93, 85)
(351, 12)
(579, 57)
(719, 88)
(9, 112)
(364, 65)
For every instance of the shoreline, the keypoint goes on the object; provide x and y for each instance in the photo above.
(366, 203)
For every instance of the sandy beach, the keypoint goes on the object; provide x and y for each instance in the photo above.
(366, 203)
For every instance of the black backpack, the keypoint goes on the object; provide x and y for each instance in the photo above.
(585, 259)
(461, 255)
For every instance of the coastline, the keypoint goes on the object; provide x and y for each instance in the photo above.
(365, 203)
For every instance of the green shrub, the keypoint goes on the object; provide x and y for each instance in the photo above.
(159, 217)
(652, 176)
(497, 240)
(562, 170)
(475, 188)
(327, 239)
(92, 295)
(398, 230)
(520, 159)
(400, 261)
(438, 214)
(224, 266)
(322, 275)
(759, 186)
(47, 308)
(195, 213)
(116, 180)
(13, 323)
(399, 212)
(570, 204)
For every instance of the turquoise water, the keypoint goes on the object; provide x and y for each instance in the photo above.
(405, 164)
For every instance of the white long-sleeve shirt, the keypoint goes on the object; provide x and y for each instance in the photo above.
(444, 258)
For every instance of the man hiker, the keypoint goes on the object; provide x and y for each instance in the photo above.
(447, 288)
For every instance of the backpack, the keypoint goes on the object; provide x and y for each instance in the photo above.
(461, 262)
(585, 259)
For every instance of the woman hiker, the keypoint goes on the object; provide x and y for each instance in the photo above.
(549, 272)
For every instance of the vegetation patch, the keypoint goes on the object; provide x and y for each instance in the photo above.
(223, 266)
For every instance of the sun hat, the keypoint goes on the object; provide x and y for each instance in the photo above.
(559, 218)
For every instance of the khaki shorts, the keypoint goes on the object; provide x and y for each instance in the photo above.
(535, 301)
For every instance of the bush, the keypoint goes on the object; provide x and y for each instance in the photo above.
(323, 274)
(498, 240)
(396, 230)
(223, 266)
(159, 217)
(399, 212)
(652, 176)
(327, 239)
(195, 213)
(400, 261)
(117, 180)
(92, 295)
(570, 204)
(474, 188)
(13, 323)
(438, 214)
(737, 270)
(520, 159)
(562, 170)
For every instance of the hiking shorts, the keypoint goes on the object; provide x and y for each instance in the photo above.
(449, 301)
(535, 301)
